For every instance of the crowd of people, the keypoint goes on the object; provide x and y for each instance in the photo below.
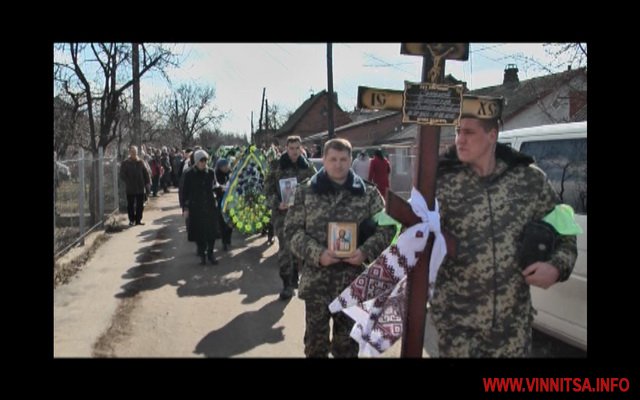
(487, 193)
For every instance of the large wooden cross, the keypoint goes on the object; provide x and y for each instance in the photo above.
(424, 180)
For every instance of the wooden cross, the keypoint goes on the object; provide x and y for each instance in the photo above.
(424, 180)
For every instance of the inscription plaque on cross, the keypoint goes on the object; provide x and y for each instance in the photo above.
(424, 178)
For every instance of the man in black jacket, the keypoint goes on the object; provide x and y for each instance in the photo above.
(136, 178)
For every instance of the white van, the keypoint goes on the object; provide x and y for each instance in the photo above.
(561, 151)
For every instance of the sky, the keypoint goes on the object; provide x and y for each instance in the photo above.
(291, 72)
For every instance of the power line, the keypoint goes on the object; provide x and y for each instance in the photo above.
(275, 58)
(384, 63)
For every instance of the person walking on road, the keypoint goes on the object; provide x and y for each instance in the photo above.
(290, 165)
(136, 179)
(335, 194)
(201, 207)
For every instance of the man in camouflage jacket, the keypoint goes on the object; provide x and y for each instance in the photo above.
(487, 192)
(335, 194)
(291, 164)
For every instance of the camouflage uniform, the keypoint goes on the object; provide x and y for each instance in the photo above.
(280, 169)
(318, 202)
(482, 304)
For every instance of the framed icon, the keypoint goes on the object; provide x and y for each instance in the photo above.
(342, 238)
(288, 190)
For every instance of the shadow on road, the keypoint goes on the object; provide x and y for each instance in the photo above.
(244, 332)
(170, 259)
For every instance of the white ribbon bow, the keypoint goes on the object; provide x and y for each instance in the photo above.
(430, 223)
(378, 326)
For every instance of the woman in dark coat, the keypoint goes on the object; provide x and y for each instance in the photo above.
(201, 206)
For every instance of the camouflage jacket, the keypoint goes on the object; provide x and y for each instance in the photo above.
(319, 202)
(284, 168)
(483, 286)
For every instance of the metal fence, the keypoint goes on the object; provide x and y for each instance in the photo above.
(402, 167)
(74, 196)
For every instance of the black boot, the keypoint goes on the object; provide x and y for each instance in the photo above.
(287, 288)
(286, 293)
(212, 260)
(203, 260)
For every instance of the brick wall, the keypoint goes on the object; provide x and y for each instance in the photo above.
(315, 120)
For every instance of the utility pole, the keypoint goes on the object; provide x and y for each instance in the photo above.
(261, 110)
(332, 133)
(266, 114)
(252, 138)
(137, 129)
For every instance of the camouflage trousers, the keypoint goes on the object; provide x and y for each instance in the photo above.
(512, 341)
(316, 335)
(286, 261)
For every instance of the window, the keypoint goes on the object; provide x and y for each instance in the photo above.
(565, 163)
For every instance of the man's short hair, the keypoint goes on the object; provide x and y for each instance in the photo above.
(489, 124)
(486, 109)
(293, 139)
(338, 144)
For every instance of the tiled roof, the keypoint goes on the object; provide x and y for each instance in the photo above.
(300, 112)
(378, 115)
(518, 95)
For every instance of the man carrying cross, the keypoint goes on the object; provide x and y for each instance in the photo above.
(487, 193)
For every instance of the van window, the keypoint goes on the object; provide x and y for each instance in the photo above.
(565, 163)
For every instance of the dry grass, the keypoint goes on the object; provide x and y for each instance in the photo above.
(62, 272)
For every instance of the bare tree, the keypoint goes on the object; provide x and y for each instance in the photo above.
(213, 139)
(68, 120)
(189, 109)
(99, 74)
(574, 54)
(277, 116)
(568, 85)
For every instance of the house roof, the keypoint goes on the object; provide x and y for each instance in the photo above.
(406, 134)
(518, 95)
(410, 132)
(378, 116)
(580, 115)
(300, 112)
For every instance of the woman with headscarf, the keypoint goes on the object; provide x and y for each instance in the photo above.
(201, 207)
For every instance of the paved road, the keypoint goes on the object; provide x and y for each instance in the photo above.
(144, 294)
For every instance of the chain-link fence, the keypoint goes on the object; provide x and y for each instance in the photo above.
(85, 193)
